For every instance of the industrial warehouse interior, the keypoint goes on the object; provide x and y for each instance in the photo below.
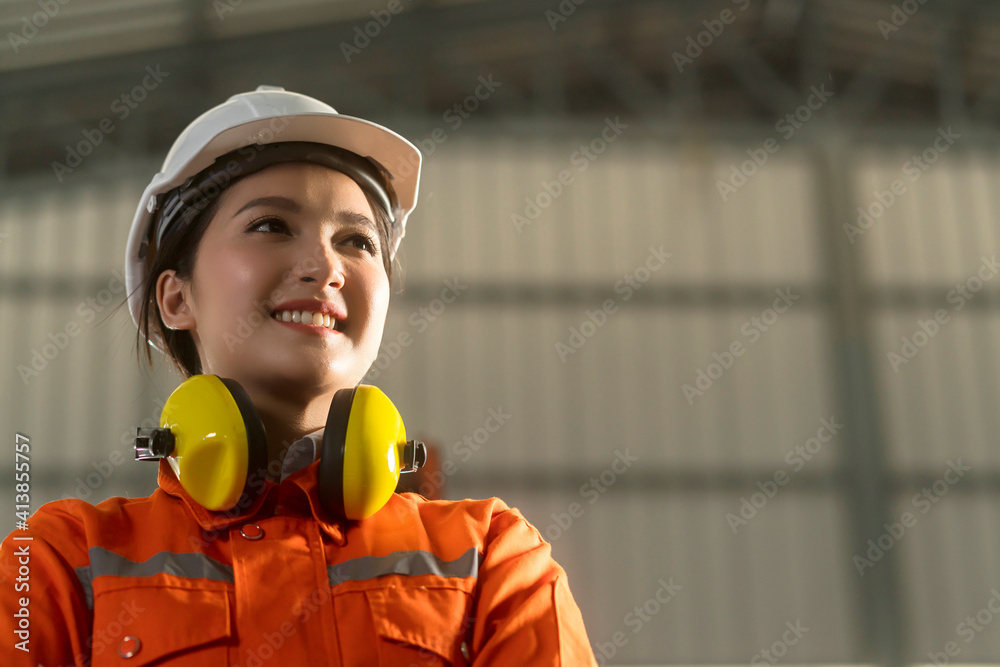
(706, 290)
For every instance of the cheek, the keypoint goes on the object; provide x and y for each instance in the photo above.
(375, 294)
(380, 299)
(226, 281)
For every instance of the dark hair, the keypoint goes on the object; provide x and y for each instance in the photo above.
(178, 253)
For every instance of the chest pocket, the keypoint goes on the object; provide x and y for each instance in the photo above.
(409, 623)
(161, 625)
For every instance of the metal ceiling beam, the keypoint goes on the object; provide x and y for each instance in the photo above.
(950, 83)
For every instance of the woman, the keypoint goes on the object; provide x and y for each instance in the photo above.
(263, 253)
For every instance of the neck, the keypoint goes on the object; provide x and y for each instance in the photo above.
(287, 419)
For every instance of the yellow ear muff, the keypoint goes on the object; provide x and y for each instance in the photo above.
(213, 439)
(364, 451)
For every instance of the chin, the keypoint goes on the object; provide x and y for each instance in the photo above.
(325, 375)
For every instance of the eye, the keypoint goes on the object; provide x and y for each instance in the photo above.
(265, 221)
(363, 242)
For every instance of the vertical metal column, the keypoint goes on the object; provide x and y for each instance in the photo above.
(881, 625)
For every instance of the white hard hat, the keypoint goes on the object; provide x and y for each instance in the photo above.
(271, 117)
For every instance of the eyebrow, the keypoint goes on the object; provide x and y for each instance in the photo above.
(359, 219)
(277, 202)
(294, 207)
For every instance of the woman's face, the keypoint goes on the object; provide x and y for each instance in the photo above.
(293, 232)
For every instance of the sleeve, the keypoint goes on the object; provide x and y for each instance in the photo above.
(44, 616)
(524, 611)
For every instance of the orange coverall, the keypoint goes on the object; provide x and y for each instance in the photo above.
(161, 580)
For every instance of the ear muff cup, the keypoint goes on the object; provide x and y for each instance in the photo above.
(256, 438)
(363, 453)
(213, 439)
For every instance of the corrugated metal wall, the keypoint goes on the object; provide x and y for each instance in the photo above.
(665, 517)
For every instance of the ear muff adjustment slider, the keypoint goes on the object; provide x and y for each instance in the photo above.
(414, 456)
(153, 443)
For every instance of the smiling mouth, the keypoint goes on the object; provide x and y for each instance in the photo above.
(306, 317)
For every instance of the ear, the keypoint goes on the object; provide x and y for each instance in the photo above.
(172, 295)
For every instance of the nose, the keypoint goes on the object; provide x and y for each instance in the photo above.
(322, 266)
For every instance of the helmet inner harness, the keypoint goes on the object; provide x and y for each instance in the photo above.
(182, 205)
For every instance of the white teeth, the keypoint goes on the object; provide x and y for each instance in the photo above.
(306, 317)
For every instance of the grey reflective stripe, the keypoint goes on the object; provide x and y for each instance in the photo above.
(83, 574)
(189, 565)
(408, 563)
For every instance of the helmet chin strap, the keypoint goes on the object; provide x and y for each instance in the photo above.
(181, 206)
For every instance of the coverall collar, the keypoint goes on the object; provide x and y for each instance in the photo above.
(298, 481)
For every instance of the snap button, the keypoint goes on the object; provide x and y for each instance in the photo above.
(252, 531)
(129, 647)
